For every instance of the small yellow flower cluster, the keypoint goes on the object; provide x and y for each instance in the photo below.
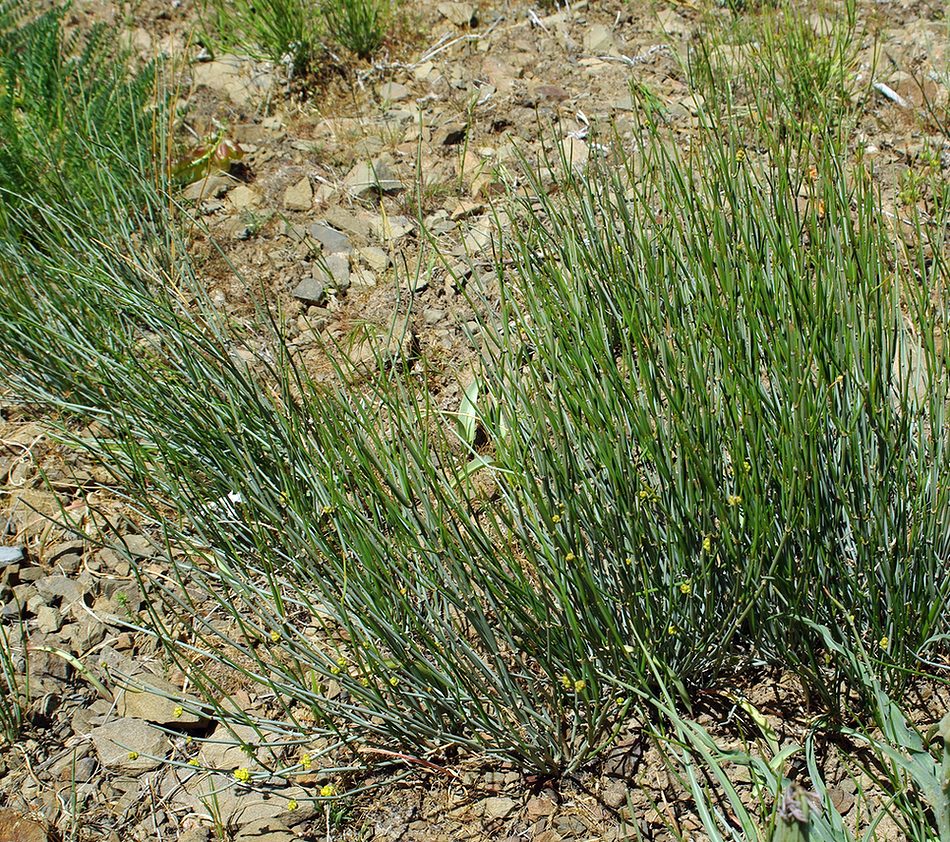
(733, 500)
(686, 587)
(179, 711)
(884, 642)
(569, 684)
(556, 519)
(570, 557)
(242, 775)
(292, 805)
(327, 791)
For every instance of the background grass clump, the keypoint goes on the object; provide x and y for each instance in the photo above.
(712, 394)
(299, 34)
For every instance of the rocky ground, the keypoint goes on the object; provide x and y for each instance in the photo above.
(365, 206)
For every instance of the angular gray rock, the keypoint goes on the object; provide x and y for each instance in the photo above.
(371, 178)
(159, 701)
(333, 241)
(310, 291)
(10, 555)
(334, 270)
(129, 745)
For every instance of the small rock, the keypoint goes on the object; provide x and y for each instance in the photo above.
(214, 186)
(376, 258)
(672, 24)
(17, 828)
(242, 197)
(394, 92)
(138, 546)
(160, 702)
(362, 278)
(333, 241)
(48, 620)
(479, 239)
(497, 807)
(265, 830)
(551, 93)
(386, 345)
(367, 179)
(310, 291)
(576, 153)
(299, 196)
(391, 228)
(465, 208)
(60, 587)
(598, 39)
(461, 14)
(343, 220)
(615, 794)
(421, 72)
(129, 745)
(10, 555)
(242, 80)
(451, 135)
(334, 271)
(538, 807)
(85, 633)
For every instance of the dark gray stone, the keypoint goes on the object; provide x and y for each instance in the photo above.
(310, 291)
